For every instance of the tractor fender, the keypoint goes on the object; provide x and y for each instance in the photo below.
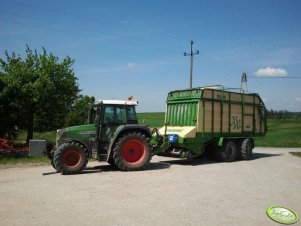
(121, 130)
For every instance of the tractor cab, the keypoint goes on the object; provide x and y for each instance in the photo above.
(111, 115)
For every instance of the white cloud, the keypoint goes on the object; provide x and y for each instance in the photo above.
(298, 99)
(131, 65)
(271, 72)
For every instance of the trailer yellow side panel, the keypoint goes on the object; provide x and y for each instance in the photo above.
(230, 113)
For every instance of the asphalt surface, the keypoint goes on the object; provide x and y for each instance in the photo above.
(170, 192)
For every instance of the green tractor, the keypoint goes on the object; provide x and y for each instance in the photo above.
(112, 134)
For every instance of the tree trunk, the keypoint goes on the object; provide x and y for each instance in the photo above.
(30, 126)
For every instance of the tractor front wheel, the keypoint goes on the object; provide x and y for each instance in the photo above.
(132, 152)
(70, 158)
(50, 153)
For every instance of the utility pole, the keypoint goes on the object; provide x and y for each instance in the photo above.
(244, 81)
(191, 60)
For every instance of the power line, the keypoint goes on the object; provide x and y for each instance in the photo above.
(78, 16)
(274, 77)
(153, 44)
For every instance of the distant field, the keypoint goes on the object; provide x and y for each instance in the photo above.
(151, 119)
(281, 133)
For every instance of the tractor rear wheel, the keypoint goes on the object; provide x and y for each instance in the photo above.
(228, 152)
(245, 150)
(132, 152)
(70, 158)
(112, 162)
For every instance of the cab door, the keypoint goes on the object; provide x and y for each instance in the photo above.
(113, 117)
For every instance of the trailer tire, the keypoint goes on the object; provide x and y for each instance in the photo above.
(246, 149)
(70, 158)
(132, 152)
(228, 152)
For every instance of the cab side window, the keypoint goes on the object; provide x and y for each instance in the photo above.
(114, 115)
(131, 115)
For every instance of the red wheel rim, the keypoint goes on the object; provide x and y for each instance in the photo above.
(133, 151)
(71, 158)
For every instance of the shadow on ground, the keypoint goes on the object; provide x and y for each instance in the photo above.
(264, 155)
(109, 168)
(191, 162)
(203, 160)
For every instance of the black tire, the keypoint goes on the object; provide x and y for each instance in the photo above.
(52, 163)
(228, 152)
(111, 162)
(246, 150)
(132, 152)
(70, 158)
(50, 153)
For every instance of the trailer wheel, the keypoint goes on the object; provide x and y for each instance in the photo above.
(70, 158)
(246, 149)
(132, 152)
(228, 152)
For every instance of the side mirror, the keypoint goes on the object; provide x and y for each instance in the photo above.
(98, 115)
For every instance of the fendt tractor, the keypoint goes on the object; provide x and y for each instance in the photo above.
(114, 136)
(206, 119)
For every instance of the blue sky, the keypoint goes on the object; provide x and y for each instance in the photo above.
(135, 48)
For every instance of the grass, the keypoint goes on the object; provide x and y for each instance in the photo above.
(281, 133)
(298, 154)
(23, 160)
(151, 119)
(50, 136)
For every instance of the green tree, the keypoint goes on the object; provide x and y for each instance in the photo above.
(8, 112)
(41, 86)
(78, 114)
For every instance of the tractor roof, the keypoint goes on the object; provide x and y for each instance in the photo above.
(119, 102)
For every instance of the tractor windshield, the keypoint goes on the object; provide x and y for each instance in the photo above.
(116, 114)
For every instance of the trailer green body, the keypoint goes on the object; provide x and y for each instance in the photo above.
(205, 116)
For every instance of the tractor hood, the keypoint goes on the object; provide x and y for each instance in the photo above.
(82, 130)
(82, 133)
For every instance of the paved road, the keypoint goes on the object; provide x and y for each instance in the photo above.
(171, 192)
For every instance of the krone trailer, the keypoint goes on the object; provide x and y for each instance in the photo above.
(214, 119)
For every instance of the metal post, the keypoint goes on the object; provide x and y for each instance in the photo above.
(244, 83)
(191, 61)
